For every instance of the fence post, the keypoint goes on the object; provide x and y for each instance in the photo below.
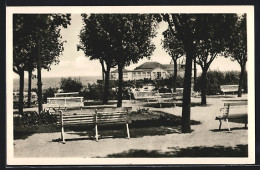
(62, 128)
(96, 128)
(127, 128)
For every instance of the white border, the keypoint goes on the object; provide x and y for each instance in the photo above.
(131, 9)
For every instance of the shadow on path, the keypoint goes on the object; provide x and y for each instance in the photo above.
(225, 129)
(215, 151)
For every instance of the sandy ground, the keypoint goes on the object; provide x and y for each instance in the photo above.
(204, 134)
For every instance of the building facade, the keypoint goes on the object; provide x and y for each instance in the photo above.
(149, 70)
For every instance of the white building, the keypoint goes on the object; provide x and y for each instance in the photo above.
(149, 70)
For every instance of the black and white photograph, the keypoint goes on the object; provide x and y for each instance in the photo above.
(112, 85)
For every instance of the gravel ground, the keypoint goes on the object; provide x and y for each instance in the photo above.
(203, 135)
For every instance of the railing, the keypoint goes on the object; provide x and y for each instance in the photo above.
(229, 88)
(65, 102)
(71, 94)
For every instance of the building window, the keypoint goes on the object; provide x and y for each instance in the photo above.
(159, 75)
(125, 75)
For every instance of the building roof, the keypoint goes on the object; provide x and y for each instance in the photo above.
(168, 67)
(149, 65)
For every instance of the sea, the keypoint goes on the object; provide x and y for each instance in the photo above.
(53, 82)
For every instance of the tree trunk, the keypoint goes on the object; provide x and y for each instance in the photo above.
(203, 85)
(174, 75)
(29, 88)
(21, 88)
(241, 78)
(39, 78)
(106, 86)
(186, 92)
(120, 84)
(195, 75)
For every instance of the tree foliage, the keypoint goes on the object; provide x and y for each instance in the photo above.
(71, 85)
(131, 35)
(203, 36)
(117, 39)
(96, 44)
(212, 37)
(172, 45)
(25, 37)
(28, 29)
(237, 48)
(175, 49)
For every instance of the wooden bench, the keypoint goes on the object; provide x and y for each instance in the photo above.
(146, 96)
(229, 89)
(233, 109)
(62, 103)
(94, 118)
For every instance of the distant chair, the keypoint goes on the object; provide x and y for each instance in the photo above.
(71, 94)
(65, 100)
(229, 89)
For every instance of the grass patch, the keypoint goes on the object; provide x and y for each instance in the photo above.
(145, 123)
(92, 103)
(173, 104)
(21, 132)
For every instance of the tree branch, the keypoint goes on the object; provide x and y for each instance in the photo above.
(15, 70)
(166, 16)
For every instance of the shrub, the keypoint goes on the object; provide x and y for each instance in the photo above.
(49, 93)
(92, 92)
(216, 78)
(231, 77)
(71, 85)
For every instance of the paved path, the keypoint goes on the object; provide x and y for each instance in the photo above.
(203, 135)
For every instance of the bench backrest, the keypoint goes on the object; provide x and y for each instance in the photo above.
(235, 107)
(71, 94)
(91, 116)
(119, 117)
(229, 88)
(65, 101)
(143, 93)
(167, 95)
(242, 103)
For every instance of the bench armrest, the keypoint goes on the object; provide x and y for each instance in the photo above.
(223, 113)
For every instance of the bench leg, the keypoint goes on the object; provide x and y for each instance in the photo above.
(96, 130)
(220, 123)
(127, 131)
(62, 135)
(246, 123)
(228, 125)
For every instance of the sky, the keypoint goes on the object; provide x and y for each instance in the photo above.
(74, 63)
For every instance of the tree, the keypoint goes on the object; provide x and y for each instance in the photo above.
(175, 49)
(212, 36)
(30, 68)
(237, 48)
(117, 39)
(131, 35)
(198, 34)
(39, 45)
(182, 26)
(70, 85)
(96, 43)
(21, 50)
